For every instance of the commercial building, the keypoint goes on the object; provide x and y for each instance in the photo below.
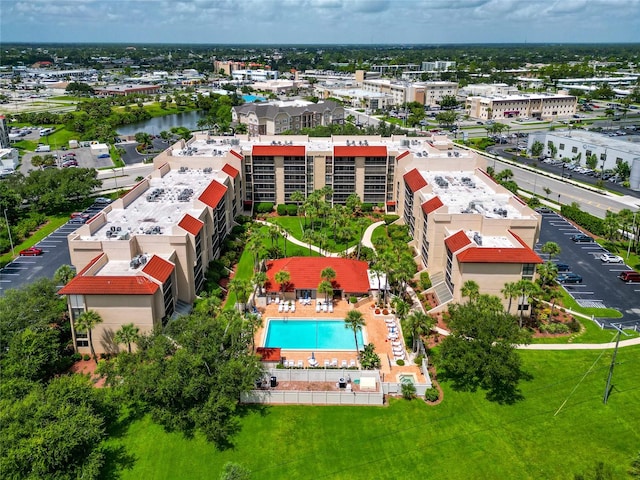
(260, 75)
(425, 93)
(273, 118)
(578, 145)
(146, 254)
(538, 106)
(121, 90)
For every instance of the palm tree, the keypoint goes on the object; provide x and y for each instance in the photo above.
(259, 280)
(328, 274)
(420, 324)
(552, 249)
(241, 288)
(254, 322)
(509, 291)
(128, 334)
(86, 322)
(470, 289)
(273, 233)
(326, 288)
(402, 308)
(355, 321)
(526, 290)
(283, 278)
(298, 197)
(64, 274)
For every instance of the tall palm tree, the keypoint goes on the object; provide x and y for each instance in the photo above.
(259, 280)
(128, 334)
(64, 274)
(86, 322)
(241, 288)
(328, 274)
(354, 321)
(273, 233)
(402, 308)
(326, 288)
(526, 290)
(509, 291)
(283, 278)
(254, 322)
(420, 324)
(470, 289)
(552, 249)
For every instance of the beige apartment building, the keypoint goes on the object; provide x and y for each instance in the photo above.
(145, 255)
(425, 93)
(537, 106)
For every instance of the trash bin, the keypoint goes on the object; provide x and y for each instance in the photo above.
(274, 382)
(342, 383)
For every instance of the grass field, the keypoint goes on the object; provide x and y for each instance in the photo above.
(560, 428)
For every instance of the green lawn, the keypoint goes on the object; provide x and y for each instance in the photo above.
(559, 429)
(292, 225)
(378, 233)
(57, 139)
(245, 264)
(592, 333)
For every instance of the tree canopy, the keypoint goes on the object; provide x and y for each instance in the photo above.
(480, 352)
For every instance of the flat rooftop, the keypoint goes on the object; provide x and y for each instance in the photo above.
(624, 143)
(465, 192)
(158, 210)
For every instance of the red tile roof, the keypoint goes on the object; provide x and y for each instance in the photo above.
(191, 224)
(279, 150)
(522, 254)
(457, 241)
(213, 194)
(402, 155)
(414, 180)
(158, 268)
(229, 170)
(269, 354)
(90, 264)
(432, 205)
(109, 285)
(360, 151)
(233, 152)
(351, 275)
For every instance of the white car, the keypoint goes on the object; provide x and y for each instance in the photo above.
(611, 258)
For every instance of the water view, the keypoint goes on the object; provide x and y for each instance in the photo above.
(157, 124)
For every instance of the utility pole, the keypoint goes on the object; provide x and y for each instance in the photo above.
(613, 362)
(13, 253)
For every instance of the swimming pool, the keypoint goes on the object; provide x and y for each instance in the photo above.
(253, 98)
(311, 334)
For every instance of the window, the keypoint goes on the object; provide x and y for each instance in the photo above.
(562, 146)
(528, 269)
(574, 149)
(82, 339)
(603, 156)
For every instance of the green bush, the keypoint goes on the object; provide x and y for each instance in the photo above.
(292, 210)
(281, 209)
(242, 219)
(574, 325)
(418, 359)
(353, 299)
(431, 395)
(400, 362)
(389, 219)
(76, 357)
(587, 221)
(264, 207)
(86, 357)
(425, 281)
(408, 390)
(554, 328)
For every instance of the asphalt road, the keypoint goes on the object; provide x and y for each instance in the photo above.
(600, 287)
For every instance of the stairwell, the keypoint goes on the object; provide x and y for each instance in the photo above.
(440, 289)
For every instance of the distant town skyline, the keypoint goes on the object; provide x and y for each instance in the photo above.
(320, 21)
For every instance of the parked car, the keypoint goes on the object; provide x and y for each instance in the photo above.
(102, 200)
(611, 258)
(581, 238)
(569, 277)
(543, 210)
(80, 214)
(563, 267)
(31, 252)
(104, 155)
(69, 163)
(629, 276)
(78, 220)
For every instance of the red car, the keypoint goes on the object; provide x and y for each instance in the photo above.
(31, 252)
(80, 214)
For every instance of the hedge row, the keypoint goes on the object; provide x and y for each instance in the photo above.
(587, 221)
(284, 209)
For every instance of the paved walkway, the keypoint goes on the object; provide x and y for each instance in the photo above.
(580, 346)
(366, 240)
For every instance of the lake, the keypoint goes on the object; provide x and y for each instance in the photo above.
(157, 124)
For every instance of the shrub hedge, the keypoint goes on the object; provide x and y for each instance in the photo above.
(587, 221)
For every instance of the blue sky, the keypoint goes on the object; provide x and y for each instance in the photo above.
(320, 21)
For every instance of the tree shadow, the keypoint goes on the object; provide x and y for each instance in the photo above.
(116, 460)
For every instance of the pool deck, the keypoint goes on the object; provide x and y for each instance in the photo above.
(375, 331)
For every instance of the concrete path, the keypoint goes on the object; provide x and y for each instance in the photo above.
(580, 346)
(366, 237)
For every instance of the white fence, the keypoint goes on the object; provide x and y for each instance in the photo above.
(333, 397)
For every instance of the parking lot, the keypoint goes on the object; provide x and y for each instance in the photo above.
(600, 286)
(24, 270)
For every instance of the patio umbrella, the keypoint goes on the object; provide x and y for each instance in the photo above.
(313, 355)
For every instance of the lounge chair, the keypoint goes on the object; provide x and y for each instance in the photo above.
(326, 364)
(286, 307)
(324, 307)
(396, 344)
(313, 362)
(280, 307)
(334, 362)
(398, 356)
(300, 364)
(392, 336)
(318, 307)
(331, 308)
(352, 363)
(277, 300)
(343, 364)
(293, 308)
